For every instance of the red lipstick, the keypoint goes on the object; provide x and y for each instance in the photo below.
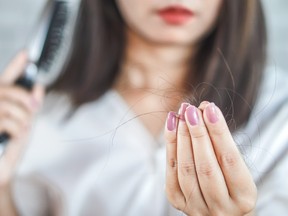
(176, 15)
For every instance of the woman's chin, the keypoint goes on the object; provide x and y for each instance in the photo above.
(171, 40)
(165, 38)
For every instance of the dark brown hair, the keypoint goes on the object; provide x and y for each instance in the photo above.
(227, 69)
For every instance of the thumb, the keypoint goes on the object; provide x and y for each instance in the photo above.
(38, 95)
(15, 68)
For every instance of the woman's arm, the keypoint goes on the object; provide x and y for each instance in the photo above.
(7, 207)
(17, 108)
(8, 162)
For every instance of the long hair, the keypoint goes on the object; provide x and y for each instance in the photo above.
(227, 69)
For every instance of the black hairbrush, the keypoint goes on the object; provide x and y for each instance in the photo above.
(44, 48)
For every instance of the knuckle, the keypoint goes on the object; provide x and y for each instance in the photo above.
(183, 131)
(172, 163)
(219, 130)
(218, 204)
(19, 91)
(5, 112)
(11, 127)
(218, 212)
(228, 160)
(187, 168)
(171, 139)
(247, 205)
(206, 169)
(196, 211)
(199, 132)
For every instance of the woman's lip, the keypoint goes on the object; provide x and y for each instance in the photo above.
(175, 15)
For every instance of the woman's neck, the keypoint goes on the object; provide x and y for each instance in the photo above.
(151, 80)
(153, 66)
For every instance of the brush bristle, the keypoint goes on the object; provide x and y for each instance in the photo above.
(54, 36)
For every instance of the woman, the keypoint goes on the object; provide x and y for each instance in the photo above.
(132, 63)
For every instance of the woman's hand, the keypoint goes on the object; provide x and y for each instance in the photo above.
(17, 108)
(206, 174)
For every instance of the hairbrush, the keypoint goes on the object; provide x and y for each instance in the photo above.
(47, 47)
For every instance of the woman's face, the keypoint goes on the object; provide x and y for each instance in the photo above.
(170, 21)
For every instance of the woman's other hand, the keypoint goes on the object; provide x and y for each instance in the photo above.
(206, 174)
(17, 108)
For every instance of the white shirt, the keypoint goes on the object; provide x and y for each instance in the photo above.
(103, 161)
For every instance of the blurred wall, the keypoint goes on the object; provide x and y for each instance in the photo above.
(17, 18)
(277, 22)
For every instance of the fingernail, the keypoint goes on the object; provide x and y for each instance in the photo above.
(212, 113)
(205, 102)
(182, 111)
(203, 105)
(171, 121)
(192, 115)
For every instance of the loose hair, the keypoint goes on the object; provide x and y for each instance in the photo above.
(227, 69)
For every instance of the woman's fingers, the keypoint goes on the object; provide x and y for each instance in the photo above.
(18, 96)
(17, 108)
(237, 176)
(9, 110)
(186, 166)
(38, 93)
(210, 177)
(203, 105)
(14, 69)
(205, 170)
(17, 105)
(13, 128)
(172, 187)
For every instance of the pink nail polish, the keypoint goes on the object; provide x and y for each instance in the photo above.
(192, 115)
(182, 111)
(212, 113)
(171, 121)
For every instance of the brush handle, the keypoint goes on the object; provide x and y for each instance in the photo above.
(27, 82)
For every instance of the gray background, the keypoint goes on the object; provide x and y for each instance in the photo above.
(18, 16)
